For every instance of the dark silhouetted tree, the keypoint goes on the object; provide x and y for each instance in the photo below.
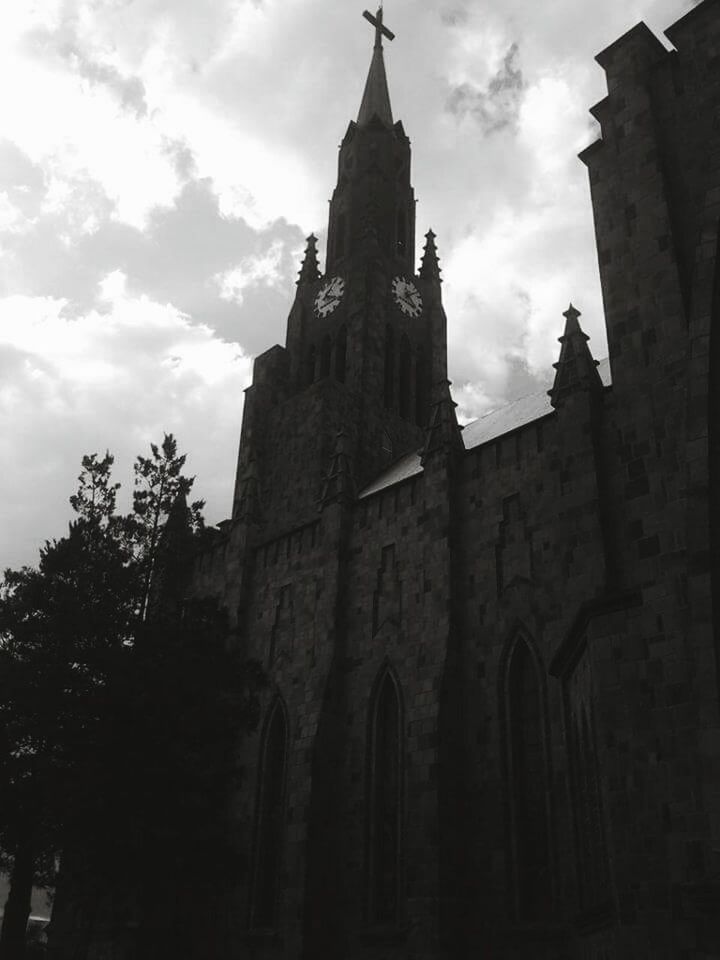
(117, 727)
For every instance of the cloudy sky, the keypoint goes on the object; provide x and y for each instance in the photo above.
(161, 162)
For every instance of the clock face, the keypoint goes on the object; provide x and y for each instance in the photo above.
(407, 296)
(329, 296)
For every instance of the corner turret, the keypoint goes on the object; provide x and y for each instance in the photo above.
(575, 369)
(310, 268)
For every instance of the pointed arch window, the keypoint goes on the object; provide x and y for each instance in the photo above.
(591, 848)
(527, 767)
(310, 365)
(269, 820)
(340, 354)
(325, 357)
(389, 368)
(594, 885)
(404, 379)
(385, 802)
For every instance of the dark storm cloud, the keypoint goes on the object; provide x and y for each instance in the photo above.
(496, 106)
(176, 259)
(181, 253)
(38, 260)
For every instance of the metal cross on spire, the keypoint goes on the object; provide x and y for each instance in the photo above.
(380, 29)
(376, 99)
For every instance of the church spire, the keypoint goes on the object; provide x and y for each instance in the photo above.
(310, 269)
(576, 368)
(430, 267)
(376, 98)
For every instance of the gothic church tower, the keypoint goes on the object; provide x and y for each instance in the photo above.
(365, 340)
(491, 723)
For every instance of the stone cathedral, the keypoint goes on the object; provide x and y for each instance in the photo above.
(492, 726)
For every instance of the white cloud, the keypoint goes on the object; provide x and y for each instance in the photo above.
(254, 179)
(121, 108)
(12, 219)
(79, 130)
(117, 380)
(113, 285)
(264, 268)
(553, 128)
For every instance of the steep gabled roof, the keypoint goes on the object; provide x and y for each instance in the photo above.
(511, 416)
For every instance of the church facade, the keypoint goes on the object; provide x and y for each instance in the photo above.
(492, 725)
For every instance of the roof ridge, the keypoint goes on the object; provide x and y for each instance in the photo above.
(523, 396)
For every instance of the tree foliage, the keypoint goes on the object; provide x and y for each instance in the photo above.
(159, 484)
(113, 712)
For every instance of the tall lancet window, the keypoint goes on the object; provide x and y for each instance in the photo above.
(528, 785)
(385, 793)
(340, 354)
(422, 411)
(401, 233)
(310, 365)
(325, 356)
(389, 368)
(405, 379)
(593, 882)
(340, 231)
(269, 836)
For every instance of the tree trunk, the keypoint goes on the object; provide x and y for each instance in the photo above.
(17, 906)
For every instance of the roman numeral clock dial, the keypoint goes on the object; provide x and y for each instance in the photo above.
(407, 296)
(329, 296)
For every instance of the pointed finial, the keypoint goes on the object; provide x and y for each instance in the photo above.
(310, 269)
(339, 484)
(571, 316)
(430, 266)
(575, 369)
(443, 432)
